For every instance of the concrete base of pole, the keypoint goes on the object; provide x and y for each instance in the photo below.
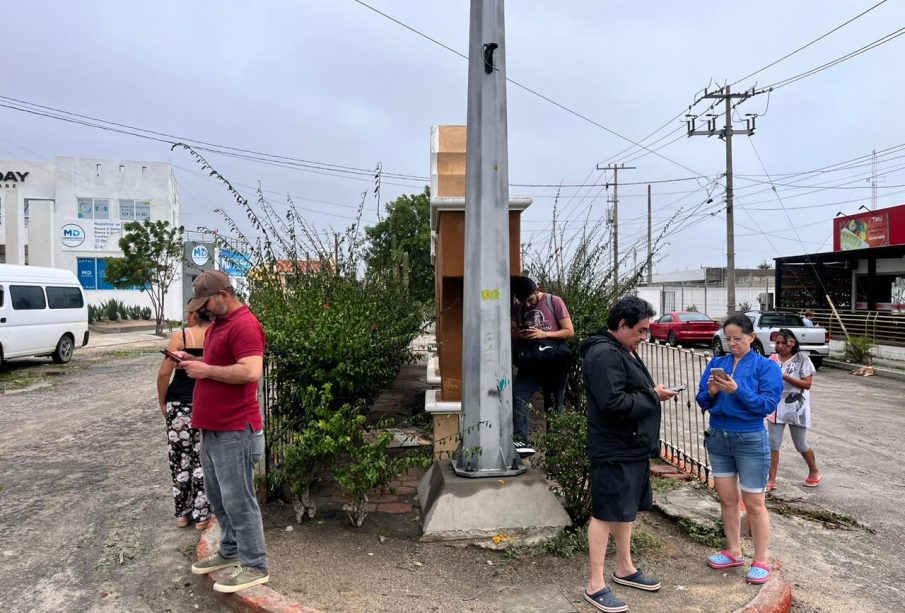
(494, 513)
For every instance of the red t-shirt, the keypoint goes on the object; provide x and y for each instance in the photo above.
(225, 406)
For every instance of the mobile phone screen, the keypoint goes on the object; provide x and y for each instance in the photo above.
(169, 354)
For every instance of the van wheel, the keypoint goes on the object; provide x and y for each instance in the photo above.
(816, 361)
(63, 352)
(759, 348)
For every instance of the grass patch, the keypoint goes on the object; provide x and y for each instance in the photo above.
(829, 519)
(711, 536)
(660, 484)
(20, 377)
(129, 353)
(568, 543)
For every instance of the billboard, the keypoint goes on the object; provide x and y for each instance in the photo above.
(869, 229)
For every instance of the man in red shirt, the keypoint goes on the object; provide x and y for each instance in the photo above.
(225, 409)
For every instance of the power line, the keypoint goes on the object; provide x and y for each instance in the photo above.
(805, 46)
(870, 46)
(530, 90)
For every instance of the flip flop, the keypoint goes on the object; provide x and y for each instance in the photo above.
(724, 559)
(812, 482)
(771, 485)
(759, 573)
(605, 600)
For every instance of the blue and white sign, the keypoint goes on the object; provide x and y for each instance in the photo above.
(87, 271)
(72, 235)
(200, 255)
(233, 263)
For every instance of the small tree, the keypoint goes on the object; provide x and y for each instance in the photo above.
(403, 240)
(152, 251)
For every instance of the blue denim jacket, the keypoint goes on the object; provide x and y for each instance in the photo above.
(759, 389)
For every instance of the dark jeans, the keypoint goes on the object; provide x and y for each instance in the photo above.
(228, 460)
(553, 380)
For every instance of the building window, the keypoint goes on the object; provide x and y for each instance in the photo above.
(64, 298)
(94, 208)
(27, 297)
(135, 210)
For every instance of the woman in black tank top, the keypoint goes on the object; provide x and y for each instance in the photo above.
(174, 395)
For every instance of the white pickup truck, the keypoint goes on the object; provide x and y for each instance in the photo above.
(813, 341)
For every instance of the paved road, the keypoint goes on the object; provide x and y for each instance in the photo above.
(85, 512)
(858, 435)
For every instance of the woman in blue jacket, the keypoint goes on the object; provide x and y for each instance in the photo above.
(737, 442)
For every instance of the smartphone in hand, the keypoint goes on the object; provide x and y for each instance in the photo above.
(170, 355)
(678, 388)
(718, 373)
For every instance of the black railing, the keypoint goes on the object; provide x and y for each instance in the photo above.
(683, 424)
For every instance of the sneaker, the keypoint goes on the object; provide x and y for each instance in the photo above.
(523, 449)
(214, 562)
(240, 579)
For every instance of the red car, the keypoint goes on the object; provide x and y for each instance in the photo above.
(684, 327)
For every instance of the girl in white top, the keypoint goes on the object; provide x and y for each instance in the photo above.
(794, 406)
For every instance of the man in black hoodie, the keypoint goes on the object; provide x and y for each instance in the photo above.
(623, 428)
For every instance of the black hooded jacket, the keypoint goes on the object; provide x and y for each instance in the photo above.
(623, 408)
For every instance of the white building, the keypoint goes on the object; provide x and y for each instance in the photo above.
(704, 289)
(69, 213)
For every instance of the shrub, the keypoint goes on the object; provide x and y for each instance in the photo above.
(111, 310)
(327, 329)
(566, 460)
(145, 313)
(692, 307)
(337, 441)
(857, 350)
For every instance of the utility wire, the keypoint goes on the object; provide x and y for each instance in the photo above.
(805, 46)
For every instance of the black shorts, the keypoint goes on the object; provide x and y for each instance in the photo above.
(620, 489)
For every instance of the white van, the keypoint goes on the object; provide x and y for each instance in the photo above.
(42, 312)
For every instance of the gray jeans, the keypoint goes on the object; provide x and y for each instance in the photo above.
(228, 460)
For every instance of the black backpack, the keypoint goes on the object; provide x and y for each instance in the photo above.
(541, 353)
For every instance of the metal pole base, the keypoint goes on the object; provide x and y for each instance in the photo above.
(469, 467)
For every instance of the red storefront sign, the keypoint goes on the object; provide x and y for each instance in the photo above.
(869, 229)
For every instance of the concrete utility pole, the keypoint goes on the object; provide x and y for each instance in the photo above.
(487, 449)
(650, 240)
(615, 201)
(726, 134)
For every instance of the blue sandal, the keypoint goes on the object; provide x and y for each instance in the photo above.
(605, 600)
(724, 559)
(759, 573)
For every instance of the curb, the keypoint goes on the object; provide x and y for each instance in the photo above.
(775, 596)
(257, 599)
(883, 373)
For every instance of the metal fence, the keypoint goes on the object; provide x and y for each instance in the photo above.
(683, 424)
(881, 327)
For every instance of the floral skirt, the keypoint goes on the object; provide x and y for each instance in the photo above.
(185, 463)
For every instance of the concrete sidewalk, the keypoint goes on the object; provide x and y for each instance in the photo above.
(98, 341)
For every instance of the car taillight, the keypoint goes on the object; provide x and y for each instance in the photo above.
(826, 338)
(773, 336)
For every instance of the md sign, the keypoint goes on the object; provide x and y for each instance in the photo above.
(72, 235)
(200, 255)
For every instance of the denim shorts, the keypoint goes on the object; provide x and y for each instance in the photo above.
(746, 454)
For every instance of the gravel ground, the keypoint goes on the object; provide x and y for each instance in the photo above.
(85, 510)
(331, 566)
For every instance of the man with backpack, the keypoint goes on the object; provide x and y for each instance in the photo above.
(541, 327)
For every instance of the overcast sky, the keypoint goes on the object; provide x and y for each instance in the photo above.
(334, 82)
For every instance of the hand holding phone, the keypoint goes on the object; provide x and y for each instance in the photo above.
(678, 388)
(718, 373)
(170, 355)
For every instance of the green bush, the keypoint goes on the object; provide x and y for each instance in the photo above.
(857, 350)
(111, 310)
(565, 459)
(328, 329)
(145, 313)
(338, 441)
